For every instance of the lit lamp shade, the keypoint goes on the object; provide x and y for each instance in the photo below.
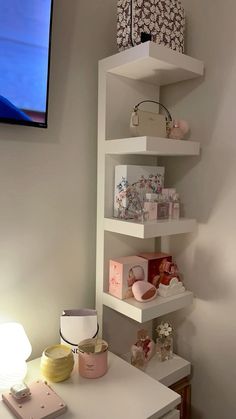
(15, 349)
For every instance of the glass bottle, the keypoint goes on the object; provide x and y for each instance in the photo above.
(168, 194)
(164, 347)
(150, 206)
(162, 208)
(176, 207)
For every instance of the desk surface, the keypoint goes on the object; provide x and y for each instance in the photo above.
(124, 392)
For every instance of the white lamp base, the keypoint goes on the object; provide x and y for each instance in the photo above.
(11, 372)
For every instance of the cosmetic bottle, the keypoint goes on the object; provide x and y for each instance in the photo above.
(176, 207)
(168, 196)
(162, 208)
(150, 206)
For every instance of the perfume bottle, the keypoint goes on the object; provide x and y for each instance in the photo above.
(162, 208)
(176, 207)
(168, 195)
(150, 206)
(143, 350)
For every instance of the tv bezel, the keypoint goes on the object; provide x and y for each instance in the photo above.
(34, 123)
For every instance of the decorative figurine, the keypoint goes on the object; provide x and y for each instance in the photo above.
(174, 287)
(179, 130)
(170, 283)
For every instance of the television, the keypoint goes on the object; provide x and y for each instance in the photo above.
(25, 44)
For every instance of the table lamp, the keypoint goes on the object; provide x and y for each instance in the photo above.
(15, 349)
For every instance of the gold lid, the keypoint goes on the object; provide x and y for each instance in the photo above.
(93, 346)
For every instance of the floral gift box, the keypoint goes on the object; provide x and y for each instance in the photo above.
(132, 183)
(161, 21)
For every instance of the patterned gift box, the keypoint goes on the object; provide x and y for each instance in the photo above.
(124, 272)
(163, 20)
(132, 183)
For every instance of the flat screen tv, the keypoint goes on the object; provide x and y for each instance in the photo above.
(25, 39)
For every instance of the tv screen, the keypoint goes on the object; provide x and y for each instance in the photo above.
(25, 34)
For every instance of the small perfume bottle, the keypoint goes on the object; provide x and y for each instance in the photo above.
(143, 350)
(162, 208)
(168, 194)
(176, 207)
(150, 206)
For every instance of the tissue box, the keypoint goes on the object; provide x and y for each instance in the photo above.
(131, 185)
(154, 262)
(124, 272)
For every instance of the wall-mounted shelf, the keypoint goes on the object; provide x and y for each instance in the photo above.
(150, 229)
(152, 146)
(142, 312)
(168, 372)
(153, 63)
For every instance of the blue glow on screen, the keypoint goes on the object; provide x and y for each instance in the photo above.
(24, 47)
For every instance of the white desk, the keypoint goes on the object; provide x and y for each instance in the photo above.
(124, 392)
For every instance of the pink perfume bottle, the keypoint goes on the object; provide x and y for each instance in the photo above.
(162, 208)
(176, 207)
(168, 196)
(150, 206)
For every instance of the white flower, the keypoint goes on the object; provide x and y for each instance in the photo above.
(164, 329)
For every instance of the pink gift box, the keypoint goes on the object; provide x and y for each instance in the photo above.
(124, 272)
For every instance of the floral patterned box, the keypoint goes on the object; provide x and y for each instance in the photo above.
(132, 183)
(124, 272)
(162, 20)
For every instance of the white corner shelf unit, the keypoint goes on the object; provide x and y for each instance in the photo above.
(125, 79)
(143, 312)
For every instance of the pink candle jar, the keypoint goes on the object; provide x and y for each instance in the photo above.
(93, 358)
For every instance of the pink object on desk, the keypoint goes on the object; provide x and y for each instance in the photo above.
(93, 358)
(42, 403)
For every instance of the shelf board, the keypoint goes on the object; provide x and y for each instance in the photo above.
(152, 146)
(153, 63)
(142, 312)
(150, 229)
(168, 372)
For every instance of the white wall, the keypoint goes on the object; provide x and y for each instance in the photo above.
(48, 182)
(207, 331)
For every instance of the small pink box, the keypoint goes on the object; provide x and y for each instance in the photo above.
(124, 272)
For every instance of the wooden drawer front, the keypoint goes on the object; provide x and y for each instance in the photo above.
(183, 388)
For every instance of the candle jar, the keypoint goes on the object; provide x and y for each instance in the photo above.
(93, 358)
(57, 363)
(164, 347)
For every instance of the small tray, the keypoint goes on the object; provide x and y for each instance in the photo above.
(42, 403)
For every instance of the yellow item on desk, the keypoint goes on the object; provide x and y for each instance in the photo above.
(57, 363)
